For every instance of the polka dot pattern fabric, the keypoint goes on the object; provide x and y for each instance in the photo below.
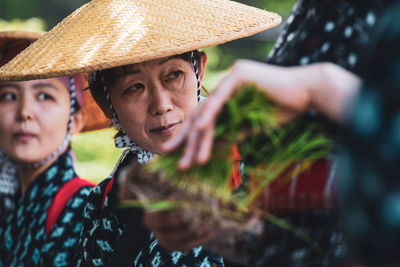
(332, 31)
(369, 184)
(318, 31)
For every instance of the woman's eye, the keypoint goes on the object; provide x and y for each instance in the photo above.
(134, 87)
(173, 75)
(8, 96)
(44, 96)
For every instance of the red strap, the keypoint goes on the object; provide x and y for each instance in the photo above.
(236, 178)
(62, 198)
(108, 188)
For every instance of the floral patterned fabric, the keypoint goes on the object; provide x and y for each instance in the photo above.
(23, 241)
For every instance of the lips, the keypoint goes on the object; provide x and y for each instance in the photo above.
(24, 136)
(165, 129)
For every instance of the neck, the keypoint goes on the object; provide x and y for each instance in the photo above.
(28, 175)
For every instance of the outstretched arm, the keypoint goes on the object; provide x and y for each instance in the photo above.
(324, 87)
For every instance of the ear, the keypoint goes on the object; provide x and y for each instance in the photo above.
(202, 69)
(78, 122)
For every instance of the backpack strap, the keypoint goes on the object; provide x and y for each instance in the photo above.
(61, 199)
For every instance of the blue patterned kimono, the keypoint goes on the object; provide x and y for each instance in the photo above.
(104, 226)
(23, 241)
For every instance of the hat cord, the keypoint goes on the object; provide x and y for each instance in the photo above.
(67, 138)
(143, 156)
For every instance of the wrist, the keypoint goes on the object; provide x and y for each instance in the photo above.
(333, 90)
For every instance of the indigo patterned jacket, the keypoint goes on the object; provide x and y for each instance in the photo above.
(104, 225)
(23, 238)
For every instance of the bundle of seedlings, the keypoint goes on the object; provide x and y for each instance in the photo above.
(203, 195)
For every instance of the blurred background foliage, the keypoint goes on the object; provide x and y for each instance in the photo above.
(95, 151)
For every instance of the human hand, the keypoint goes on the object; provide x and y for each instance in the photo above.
(173, 233)
(284, 86)
(324, 87)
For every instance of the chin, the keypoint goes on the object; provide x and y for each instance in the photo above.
(27, 157)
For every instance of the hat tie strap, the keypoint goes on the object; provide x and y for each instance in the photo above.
(67, 138)
(196, 72)
(143, 156)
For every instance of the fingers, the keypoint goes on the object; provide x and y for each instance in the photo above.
(182, 239)
(190, 150)
(173, 233)
(162, 220)
(198, 131)
(175, 142)
(206, 146)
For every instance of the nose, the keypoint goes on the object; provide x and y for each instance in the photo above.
(160, 101)
(25, 108)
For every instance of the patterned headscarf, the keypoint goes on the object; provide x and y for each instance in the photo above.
(67, 138)
(143, 156)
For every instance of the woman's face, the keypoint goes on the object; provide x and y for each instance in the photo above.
(33, 118)
(154, 98)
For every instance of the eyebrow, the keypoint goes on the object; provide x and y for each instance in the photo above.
(3, 85)
(128, 72)
(44, 85)
(165, 60)
(35, 86)
(133, 72)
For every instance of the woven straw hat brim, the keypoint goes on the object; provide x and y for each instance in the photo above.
(110, 33)
(9, 36)
(95, 119)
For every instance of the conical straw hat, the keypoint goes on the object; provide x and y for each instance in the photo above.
(109, 33)
(7, 36)
(13, 42)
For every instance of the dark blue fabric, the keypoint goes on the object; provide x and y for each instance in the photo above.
(337, 31)
(370, 184)
(23, 241)
(103, 229)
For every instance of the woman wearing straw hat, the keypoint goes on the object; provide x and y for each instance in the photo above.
(37, 118)
(145, 74)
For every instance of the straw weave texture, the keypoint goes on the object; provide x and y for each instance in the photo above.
(110, 33)
(7, 36)
(95, 118)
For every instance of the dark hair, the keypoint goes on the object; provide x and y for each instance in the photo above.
(108, 77)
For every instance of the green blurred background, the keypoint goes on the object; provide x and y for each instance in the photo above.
(95, 152)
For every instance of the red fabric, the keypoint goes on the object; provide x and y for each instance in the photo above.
(108, 188)
(236, 178)
(62, 198)
(309, 190)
